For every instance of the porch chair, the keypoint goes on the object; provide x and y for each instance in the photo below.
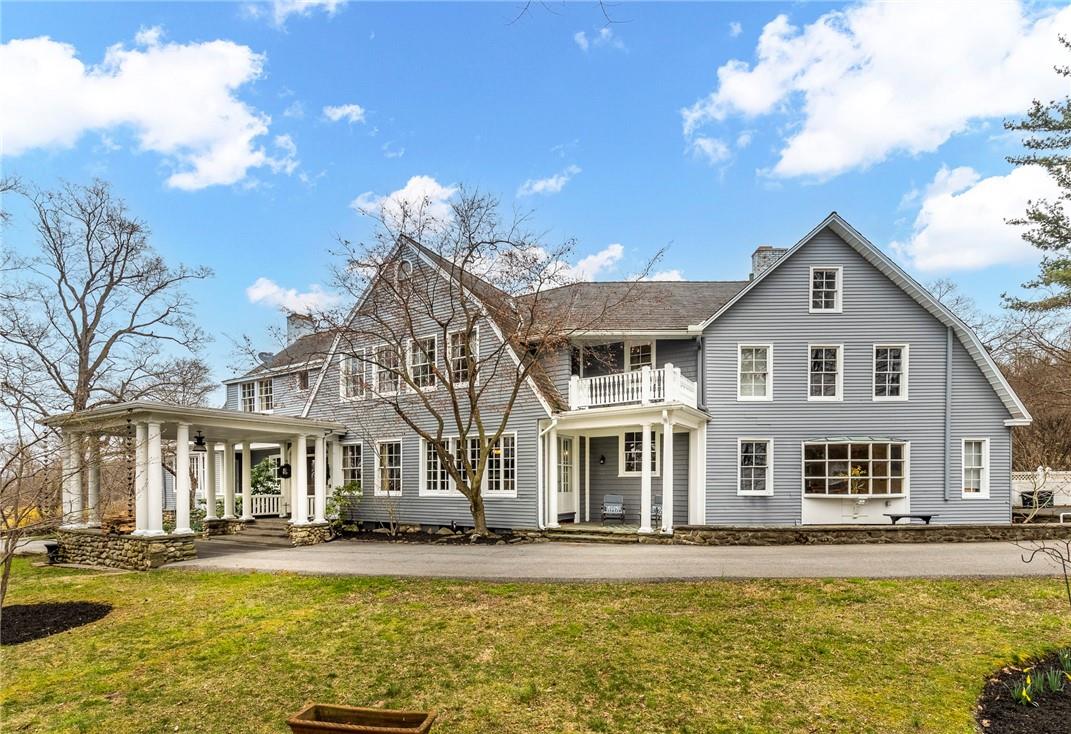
(613, 508)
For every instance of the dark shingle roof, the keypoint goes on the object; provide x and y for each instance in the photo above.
(642, 305)
(303, 350)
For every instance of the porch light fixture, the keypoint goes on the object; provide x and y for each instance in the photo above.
(602, 458)
(199, 442)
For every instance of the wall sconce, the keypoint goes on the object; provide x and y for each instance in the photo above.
(602, 459)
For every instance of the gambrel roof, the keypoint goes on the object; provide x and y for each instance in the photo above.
(884, 264)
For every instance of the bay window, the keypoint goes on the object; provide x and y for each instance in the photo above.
(853, 468)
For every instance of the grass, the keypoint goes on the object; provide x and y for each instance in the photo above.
(218, 652)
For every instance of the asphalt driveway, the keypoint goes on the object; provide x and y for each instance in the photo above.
(584, 562)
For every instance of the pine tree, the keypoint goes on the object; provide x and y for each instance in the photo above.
(1048, 129)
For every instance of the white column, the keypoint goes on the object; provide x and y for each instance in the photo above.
(645, 478)
(587, 476)
(77, 517)
(299, 464)
(552, 478)
(334, 451)
(228, 481)
(247, 481)
(67, 486)
(155, 482)
(182, 479)
(93, 483)
(320, 485)
(701, 476)
(141, 477)
(210, 481)
(285, 493)
(693, 477)
(667, 476)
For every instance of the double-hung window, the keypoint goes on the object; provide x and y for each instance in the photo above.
(975, 468)
(249, 397)
(436, 476)
(302, 379)
(387, 364)
(755, 372)
(502, 466)
(265, 395)
(351, 377)
(755, 466)
(462, 352)
(422, 356)
(824, 372)
(631, 458)
(890, 372)
(389, 468)
(826, 290)
(351, 462)
(639, 355)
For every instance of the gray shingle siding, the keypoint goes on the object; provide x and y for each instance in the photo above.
(875, 311)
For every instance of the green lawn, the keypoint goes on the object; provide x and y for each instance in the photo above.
(219, 652)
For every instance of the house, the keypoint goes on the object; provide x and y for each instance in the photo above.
(829, 387)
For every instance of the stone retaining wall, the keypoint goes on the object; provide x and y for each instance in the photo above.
(92, 547)
(844, 534)
(309, 534)
(222, 527)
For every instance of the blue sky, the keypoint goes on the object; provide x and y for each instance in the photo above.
(704, 128)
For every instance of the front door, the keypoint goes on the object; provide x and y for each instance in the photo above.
(566, 490)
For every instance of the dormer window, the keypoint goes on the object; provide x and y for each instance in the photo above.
(826, 290)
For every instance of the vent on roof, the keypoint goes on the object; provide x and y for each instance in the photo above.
(764, 258)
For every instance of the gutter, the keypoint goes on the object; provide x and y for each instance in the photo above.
(539, 473)
(700, 374)
(948, 410)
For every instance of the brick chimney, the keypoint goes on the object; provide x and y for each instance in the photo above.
(297, 326)
(764, 257)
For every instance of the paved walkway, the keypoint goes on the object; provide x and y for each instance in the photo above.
(582, 562)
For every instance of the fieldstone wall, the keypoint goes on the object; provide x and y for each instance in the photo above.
(310, 534)
(845, 534)
(92, 547)
(222, 527)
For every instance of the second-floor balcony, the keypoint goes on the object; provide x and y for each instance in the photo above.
(638, 387)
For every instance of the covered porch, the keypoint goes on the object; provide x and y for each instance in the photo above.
(650, 457)
(144, 428)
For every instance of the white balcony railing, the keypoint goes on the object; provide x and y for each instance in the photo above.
(267, 504)
(639, 387)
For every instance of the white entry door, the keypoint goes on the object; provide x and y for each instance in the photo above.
(566, 490)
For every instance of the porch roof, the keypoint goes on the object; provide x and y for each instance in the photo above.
(217, 424)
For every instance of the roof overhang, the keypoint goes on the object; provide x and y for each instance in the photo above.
(260, 374)
(216, 424)
(1020, 416)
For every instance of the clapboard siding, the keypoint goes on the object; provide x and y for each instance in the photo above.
(680, 352)
(369, 420)
(605, 480)
(875, 311)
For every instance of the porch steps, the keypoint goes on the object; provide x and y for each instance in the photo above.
(590, 535)
(265, 531)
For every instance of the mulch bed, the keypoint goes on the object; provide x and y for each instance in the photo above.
(999, 714)
(454, 538)
(25, 622)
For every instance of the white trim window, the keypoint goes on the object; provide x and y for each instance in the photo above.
(351, 377)
(460, 351)
(890, 371)
(385, 369)
(501, 474)
(825, 367)
(265, 396)
(854, 468)
(422, 356)
(754, 366)
(352, 455)
(754, 467)
(639, 355)
(975, 453)
(248, 400)
(826, 294)
(301, 379)
(388, 468)
(434, 476)
(630, 453)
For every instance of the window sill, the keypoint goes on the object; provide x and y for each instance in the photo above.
(807, 496)
(380, 493)
(754, 494)
(812, 399)
(974, 496)
(745, 399)
(825, 310)
(878, 399)
(637, 475)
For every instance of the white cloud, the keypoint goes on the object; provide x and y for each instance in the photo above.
(881, 78)
(179, 100)
(349, 112)
(735, 29)
(282, 10)
(389, 151)
(295, 110)
(423, 201)
(710, 149)
(268, 292)
(961, 220)
(149, 36)
(743, 140)
(592, 266)
(602, 37)
(668, 275)
(551, 184)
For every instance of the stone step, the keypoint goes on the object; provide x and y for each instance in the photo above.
(263, 532)
(251, 541)
(572, 536)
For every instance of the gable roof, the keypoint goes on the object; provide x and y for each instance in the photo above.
(303, 352)
(834, 222)
(641, 306)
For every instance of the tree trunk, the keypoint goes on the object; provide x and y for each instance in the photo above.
(479, 518)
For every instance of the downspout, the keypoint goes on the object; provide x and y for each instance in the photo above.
(539, 474)
(700, 374)
(948, 409)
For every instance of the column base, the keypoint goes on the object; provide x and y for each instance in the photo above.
(182, 531)
(229, 517)
(645, 530)
(153, 533)
(553, 525)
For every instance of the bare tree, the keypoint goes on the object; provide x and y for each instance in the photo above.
(1057, 552)
(446, 351)
(91, 317)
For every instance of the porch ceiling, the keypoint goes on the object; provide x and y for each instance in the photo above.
(216, 424)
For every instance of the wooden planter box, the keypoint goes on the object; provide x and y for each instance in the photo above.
(318, 718)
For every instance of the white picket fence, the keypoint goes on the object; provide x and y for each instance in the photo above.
(1045, 480)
